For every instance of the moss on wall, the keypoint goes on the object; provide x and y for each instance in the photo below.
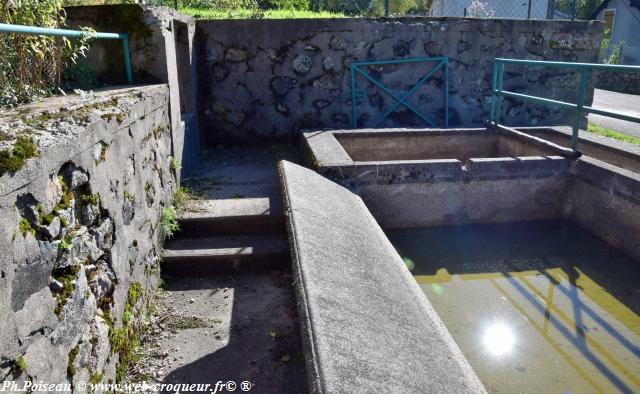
(11, 160)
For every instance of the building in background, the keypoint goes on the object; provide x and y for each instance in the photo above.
(513, 9)
(622, 19)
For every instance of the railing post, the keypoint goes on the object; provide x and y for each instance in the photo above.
(446, 92)
(127, 58)
(500, 86)
(584, 77)
(494, 95)
(353, 95)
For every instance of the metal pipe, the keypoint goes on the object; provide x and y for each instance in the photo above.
(612, 114)
(591, 66)
(398, 61)
(537, 99)
(47, 31)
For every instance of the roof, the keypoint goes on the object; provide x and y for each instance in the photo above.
(605, 4)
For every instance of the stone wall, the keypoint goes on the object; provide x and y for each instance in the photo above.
(82, 184)
(264, 80)
(618, 82)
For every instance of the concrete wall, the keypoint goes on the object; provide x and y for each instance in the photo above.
(79, 232)
(161, 47)
(262, 80)
(605, 200)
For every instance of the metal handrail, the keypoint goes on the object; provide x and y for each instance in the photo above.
(45, 31)
(497, 91)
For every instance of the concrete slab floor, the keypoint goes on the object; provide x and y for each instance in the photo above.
(239, 327)
(245, 165)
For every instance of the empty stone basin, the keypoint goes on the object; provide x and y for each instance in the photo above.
(433, 144)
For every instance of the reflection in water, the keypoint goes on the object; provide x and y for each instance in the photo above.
(498, 339)
(535, 307)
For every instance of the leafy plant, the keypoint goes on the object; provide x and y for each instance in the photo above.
(616, 52)
(169, 221)
(479, 9)
(174, 164)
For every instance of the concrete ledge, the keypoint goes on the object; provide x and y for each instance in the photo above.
(618, 153)
(367, 326)
(400, 171)
(528, 166)
(613, 179)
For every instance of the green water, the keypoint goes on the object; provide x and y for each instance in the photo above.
(536, 307)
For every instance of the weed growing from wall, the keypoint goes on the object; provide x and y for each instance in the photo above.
(169, 221)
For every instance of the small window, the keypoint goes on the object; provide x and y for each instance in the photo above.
(608, 17)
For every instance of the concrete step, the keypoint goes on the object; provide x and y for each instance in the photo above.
(211, 255)
(232, 210)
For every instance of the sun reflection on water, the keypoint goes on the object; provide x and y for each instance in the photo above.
(498, 339)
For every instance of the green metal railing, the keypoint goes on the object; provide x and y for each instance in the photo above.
(44, 31)
(498, 92)
(357, 68)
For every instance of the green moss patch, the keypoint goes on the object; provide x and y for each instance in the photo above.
(25, 227)
(11, 160)
(65, 276)
(19, 365)
(125, 339)
(71, 369)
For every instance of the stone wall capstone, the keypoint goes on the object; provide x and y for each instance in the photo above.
(264, 80)
(82, 183)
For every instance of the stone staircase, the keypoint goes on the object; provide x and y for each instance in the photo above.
(236, 223)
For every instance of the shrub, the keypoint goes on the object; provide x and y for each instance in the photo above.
(32, 66)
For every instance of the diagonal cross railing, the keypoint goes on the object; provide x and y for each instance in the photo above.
(356, 68)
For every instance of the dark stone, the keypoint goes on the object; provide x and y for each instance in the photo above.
(282, 85)
(402, 48)
(337, 43)
(26, 205)
(340, 118)
(320, 104)
(220, 72)
(73, 176)
(463, 46)
(128, 211)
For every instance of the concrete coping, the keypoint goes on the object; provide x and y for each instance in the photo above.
(325, 154)
(606, 143)
(366, 325)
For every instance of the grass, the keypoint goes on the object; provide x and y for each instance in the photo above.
(205, 13)
(593, 128)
